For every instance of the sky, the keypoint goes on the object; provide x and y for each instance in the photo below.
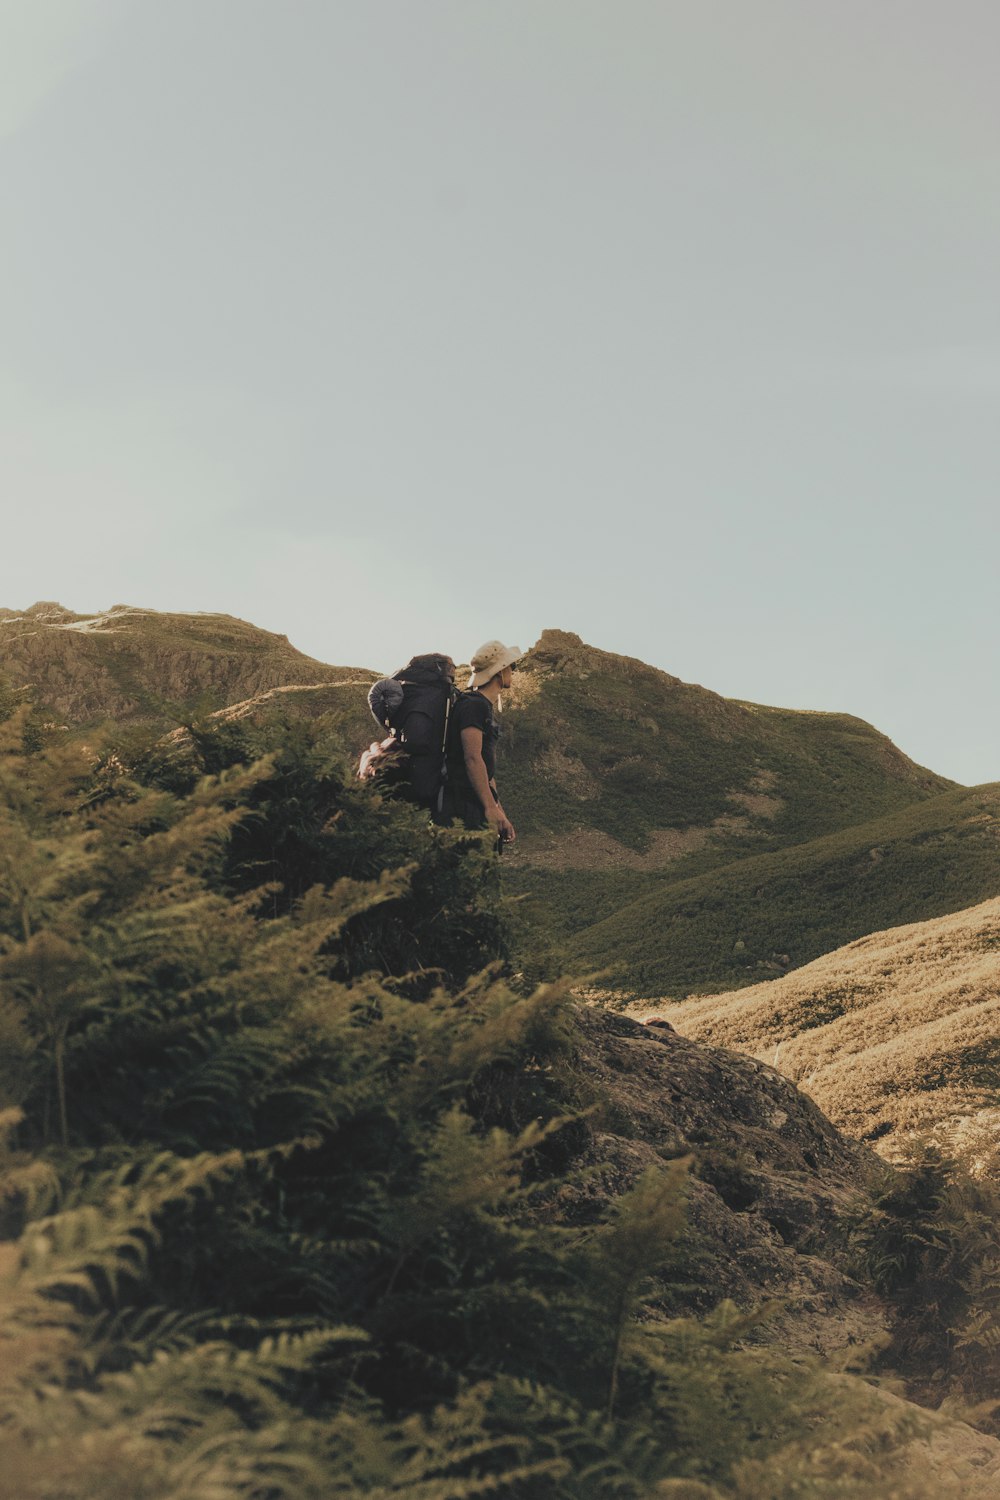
(400, 325)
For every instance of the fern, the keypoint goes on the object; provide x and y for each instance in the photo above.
(284, 1190)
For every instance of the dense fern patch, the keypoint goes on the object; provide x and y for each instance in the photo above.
(281, 1145)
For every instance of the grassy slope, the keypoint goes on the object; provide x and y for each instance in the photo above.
(893, 1036)
(591, 740)
(783, 809)
(599, 741)
(143, 664)
(725, 926)
(599, 747)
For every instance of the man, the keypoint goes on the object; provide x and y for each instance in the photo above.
(471, 793)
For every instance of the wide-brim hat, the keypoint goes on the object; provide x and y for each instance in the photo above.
(491, 659)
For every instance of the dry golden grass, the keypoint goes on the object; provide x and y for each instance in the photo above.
(896, 1036)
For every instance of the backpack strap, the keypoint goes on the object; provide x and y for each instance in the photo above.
(439, 803)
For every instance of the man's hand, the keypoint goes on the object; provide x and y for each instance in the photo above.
(498, 819)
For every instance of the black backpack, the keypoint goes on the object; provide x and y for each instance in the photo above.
(414, 705)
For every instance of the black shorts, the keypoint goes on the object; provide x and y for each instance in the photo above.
(461, 805)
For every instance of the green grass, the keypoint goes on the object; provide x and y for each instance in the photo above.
(602, 743)
(655, 753)
(158, 668)
(607, 745)
(725, 928)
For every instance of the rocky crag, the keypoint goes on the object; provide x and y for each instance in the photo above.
(775, 1192)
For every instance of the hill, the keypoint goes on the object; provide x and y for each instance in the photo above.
(677, 840)
(615, 765)
(612, 764)
(296, 1198)
(769, 913)
(130, 664)
(671, 839)
(895, 1036)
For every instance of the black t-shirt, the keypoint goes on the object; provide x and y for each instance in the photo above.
(472, 711)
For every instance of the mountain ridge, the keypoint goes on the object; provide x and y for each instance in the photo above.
(131, 664)
(612, 746)
(644, 804)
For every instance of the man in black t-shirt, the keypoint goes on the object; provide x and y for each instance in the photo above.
(471, 792)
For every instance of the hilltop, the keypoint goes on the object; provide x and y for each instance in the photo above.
(130, 664)
(677, 841)
(613, 763)
(616, 764)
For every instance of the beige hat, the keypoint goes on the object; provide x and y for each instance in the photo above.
(491, 659)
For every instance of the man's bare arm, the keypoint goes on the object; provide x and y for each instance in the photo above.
(475, 766)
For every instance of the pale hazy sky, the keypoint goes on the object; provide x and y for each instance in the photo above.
(395, 325)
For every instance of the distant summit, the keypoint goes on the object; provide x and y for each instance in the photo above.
(130, 664)
(44, 609)
(625, 766)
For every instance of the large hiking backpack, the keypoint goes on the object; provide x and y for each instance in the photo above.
(414, 705)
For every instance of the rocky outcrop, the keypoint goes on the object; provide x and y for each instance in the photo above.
(894, 1035)
(772, 1183)
(772, 1189)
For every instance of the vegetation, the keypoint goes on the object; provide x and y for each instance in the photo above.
(929, 1242)
(895, 1036)
(602, 742)
(674, 839)
(131, 665)
(796, 832)
(281, 1167)
(771, 912)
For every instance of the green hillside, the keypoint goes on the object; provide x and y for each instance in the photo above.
(595, 746)
(673, 840)
(133, 665)
(734, 925)
(301, 1197)
(661, 826)
(597, 743)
